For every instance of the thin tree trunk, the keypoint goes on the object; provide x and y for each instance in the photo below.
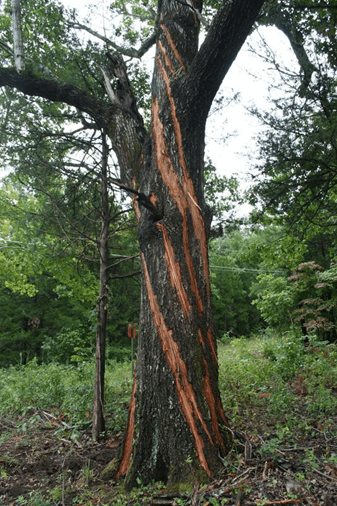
(98, 405)
(19, 60)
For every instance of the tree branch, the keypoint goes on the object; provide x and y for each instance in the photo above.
(19, 58)
(225, 37)
(29, 84)
(122, 276)
(131, 52)
(142, 199)
(284, 22)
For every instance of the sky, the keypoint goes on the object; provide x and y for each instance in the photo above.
(249, 76)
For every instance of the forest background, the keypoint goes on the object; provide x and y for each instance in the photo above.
(69, 264)
(275, 267)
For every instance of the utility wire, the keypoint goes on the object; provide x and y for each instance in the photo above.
(243, 269)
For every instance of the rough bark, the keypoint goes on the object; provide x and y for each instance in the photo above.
(177, 430)
(98, 426)
(176, 418)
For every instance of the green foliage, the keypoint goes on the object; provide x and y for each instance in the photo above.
(273, 299)
(222, 195)
(231, 277)
(144, 12)
(64, 389)
(307, 297)
(296, 183)
(50, 275)
(276, 381)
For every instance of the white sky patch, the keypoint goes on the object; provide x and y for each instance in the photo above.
(253, 79)
(231, 131)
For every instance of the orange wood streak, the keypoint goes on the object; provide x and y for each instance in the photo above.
(170, 178)
(166, 57)
(211, 343)
(136, 208)
(134, 201)
(173, 268)
(201, 337)
(186, 394)
(209, 396)
(173, 46)
(153, 199)
(127, 452)
(187, 183)
(222, 414)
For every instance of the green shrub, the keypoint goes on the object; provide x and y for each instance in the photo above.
(277, 379)
(65, 389)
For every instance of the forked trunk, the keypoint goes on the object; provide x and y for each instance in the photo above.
(176, 420)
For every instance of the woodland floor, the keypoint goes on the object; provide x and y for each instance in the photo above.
(41, 465)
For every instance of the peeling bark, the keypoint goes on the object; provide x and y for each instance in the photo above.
(178, 411)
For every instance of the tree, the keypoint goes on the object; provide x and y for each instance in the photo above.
(297, 183)
(77, 208)
(233, 270)
(176, 409)
(45, 301)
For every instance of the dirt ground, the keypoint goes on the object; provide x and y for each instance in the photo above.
(44, 456)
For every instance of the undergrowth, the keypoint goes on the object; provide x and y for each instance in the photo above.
(274, 382)
(274, 388)
(65, 390)
(270, 380)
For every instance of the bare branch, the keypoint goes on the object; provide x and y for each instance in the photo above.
(121, 276)
(131, 52)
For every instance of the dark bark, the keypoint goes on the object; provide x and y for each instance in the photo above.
(177, 429)
(98, 426)
(177, 421)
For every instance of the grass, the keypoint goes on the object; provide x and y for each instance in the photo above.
(273, 388)
(261, 379)
(65, 390)
(278, 382)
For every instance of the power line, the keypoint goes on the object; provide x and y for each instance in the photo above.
(243, 269)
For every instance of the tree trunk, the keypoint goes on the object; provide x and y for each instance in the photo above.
(19, 59)
(176, 418)
(98, 426)
(177, 430)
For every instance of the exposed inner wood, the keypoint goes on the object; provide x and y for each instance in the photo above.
(170, 178)
(172, 46)
(187, 183)
(185, 391)
(127, 451)
(174, 271)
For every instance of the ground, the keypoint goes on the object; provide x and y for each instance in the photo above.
(44, 462)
